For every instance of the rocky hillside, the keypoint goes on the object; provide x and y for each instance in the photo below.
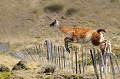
(26, 21)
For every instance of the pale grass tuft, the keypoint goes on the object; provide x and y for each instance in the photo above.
(48, 68)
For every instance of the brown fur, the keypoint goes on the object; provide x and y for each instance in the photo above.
(80, 33)
(95, 38)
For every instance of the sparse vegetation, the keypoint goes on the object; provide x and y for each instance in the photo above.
(54, 8)
(117, 49)
(48, 68)
(62, 17)
(72, 76)
(2, 52)
(20, 66)
(35, 11)
(71, 11)
(49, 77)
(4, 68)
(4, 75)
(4, 72)
(114, 0)
(97, 12)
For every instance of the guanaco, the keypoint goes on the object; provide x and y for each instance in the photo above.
(80, 35)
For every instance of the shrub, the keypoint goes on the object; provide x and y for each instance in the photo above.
(114, 0)
(4, 72)
(20, 65)
(34, 11)
(5, 75)
(54, 8)
(4, 68)
(49, 77)
(71, 11)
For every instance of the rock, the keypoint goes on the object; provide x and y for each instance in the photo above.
(4, 68)
(20, 65)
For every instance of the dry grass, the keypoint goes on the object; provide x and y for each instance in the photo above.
(25, 24)
(8, 61)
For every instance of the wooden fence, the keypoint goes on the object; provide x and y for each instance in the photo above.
(4, 47)
(78, 61)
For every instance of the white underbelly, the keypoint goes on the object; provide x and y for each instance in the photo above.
(85, 40)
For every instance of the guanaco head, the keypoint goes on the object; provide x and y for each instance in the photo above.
(55, 23)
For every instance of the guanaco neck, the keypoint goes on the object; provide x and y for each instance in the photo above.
(64, 29)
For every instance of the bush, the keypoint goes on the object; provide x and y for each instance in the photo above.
(20, 65)
(4, 72)
(4, 68)
(54, 8)
(114, 0)
(5, 75)
(34, 11)
(71, 11)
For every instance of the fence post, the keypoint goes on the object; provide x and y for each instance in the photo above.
(55, 54)
(86, 55)
(76, 59)
(95, 66)
(94, 63)
(64, 54)
(67, 62)
(103, 65)
(51, 51)
(116, 62)
(72, 65)
(7, 48)
(112, 67)
(82, 59)
(61, 52)
(79, 59)
(100, 65)
(48, 49)
(4, 46)
(59, 57)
